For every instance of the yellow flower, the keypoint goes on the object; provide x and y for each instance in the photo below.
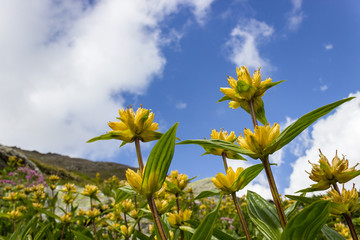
(343, 230)
(14, 214)
(245, 88)
(178, 219)
(258, 141)
(326, 174)
(135, 125)
(145, 188)
(66, 218)
(346, 202)
(127, 206)
(225, 136)
(92, 213)
(69, 187)
(53, 178)
(126, 231)
(180, 180)
(90, 191)
(225, 182)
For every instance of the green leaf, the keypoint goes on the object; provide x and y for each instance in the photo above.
(300, 125)
(308, 223)
(248, 175)
(80, 235)
(121, 195)
(224, 98)
(172, 187)
(207, 193)
(205, 229)
(264, 215)
(221, 144)
(302, 199)
(42, 231)
(140, 235)
(159, 159)
(331, 234)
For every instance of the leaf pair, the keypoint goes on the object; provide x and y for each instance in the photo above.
(284, 137)
(306, 224)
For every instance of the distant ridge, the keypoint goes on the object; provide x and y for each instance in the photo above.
(77, 165)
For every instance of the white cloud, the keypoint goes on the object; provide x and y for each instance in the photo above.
(66, 61)
(244, 43)
(329, 46)
(296, 15)
(323, 88)
(338, 131)
(181, 105)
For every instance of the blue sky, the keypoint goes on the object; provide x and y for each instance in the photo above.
(69, 66)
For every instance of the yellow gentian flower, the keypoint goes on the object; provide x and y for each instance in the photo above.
(135, 181)
(178, 219)
(258, 141)
(225, 182)
(346, 202)
(326, 174)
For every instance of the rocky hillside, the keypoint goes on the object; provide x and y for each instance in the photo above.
(64, 166)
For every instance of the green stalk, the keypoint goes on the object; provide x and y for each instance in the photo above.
(274, 192)
(269, 175)
(94, 227)
(156, 217)
(347, 217)
(236, 203)
(138, 153)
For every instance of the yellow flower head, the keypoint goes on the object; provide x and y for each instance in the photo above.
(326, 174)
(346, 202)
(93, 213)
(225, 182)
(90, 191)
(135, 125)
(66, 218)
(245, 87)
(14, 214)
(180, 180)
(127, 206)
(134, 179)
(126, 231)
(53, 178)
(225, 136)
(256, 142)
(178, 219)
(69, 187)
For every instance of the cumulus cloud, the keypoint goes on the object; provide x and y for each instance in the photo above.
(66, 64)
(337, 131)
(329, 46)
(323, 88)
(296, 15)
(181, 105)
(244, 42)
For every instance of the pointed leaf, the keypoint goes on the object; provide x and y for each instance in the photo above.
(302, 199)
(224, 98)
(248, 175)
(331, 234)
(159, 160)
(264, 215)
(308, 223)
(207, 193)
(221, 144)
(205, 229)
(301, 124)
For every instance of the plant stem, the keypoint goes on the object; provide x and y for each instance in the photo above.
(347, 217)
(236, 202)
(252, 112)
(241, 216)
(177, 202)
(274, 191)
(94, 227)
(156, 217)
(137, 210)
(138, 153)
(269, 174)
(224, 161)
